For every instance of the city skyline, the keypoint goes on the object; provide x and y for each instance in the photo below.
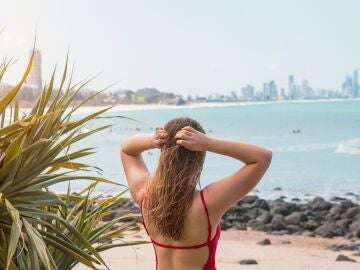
(189, 47)
(270, 90)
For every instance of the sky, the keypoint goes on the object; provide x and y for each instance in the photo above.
(189, 46)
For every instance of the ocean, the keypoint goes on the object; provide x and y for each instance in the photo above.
(315, 145)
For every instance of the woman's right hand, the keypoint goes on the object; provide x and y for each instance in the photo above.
(192, 139)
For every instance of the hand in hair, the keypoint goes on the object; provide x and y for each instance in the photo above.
(160, 137)
(192, 139)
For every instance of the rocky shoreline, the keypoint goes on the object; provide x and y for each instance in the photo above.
(318, 217)
(339, 217)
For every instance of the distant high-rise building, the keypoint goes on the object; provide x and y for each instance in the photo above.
(248, 91)
(270, 91)
(291, 86)
(347, 87)
(273, 90)
(35, 78)
(356, 86)
(266, 91)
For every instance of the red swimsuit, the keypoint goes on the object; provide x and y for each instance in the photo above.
(211, 243)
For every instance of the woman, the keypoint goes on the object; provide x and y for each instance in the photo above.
(183, 222)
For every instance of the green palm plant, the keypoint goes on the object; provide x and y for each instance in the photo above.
(40, 229)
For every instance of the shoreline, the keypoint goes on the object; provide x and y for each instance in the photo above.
(194, 105)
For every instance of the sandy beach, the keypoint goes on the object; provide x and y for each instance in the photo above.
(303, 253)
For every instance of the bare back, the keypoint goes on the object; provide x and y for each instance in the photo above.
(195, 233)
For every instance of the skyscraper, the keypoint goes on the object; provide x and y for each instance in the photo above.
(356, 86)
(347, 87)
(35, 78)
(273, 90)
(291, 86)
(266, 91)
(248, 91)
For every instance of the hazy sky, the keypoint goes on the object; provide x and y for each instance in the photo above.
(188, 46)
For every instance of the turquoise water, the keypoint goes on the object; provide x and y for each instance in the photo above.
(323, 159)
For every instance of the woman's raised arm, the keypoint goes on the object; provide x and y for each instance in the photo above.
(222, 194)
(135, 168)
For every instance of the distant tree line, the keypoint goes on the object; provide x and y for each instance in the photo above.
(28, 96)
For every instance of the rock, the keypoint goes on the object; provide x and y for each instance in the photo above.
(310, 225)
(264, 242)
(248, 261)
(246, 206)
(335, 212)
(263, 227)
(243, 218)
(293, 228)
(280, 209)
(296, 200)
(346, 246)
(355, 228)
(264, 218)
(249, 199)
(343, 258)
(319, 204)
(356, 254)
(295, 218)
(350, 194)
(325, 230)
(286, 242)
(240, 226)
(278, 225)
(262, 204)
(277, 188)
(352, 212)
(347, 204)
(337, 199)
(225, 225)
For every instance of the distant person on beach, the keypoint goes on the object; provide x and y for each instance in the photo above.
(183, 222)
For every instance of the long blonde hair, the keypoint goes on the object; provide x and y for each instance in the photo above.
(170, 192)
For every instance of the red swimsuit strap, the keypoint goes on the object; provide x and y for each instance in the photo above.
(182, 247)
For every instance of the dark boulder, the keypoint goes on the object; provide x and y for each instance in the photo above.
(343, 258)
(337, 199)
(293, 229)
(355, 228)
(225, 225)
(295, 218)
(310, 225)
(280, 209)
(325, 230)
(264, 242)
(319, 204)
(248, 199)
(278, 225)
(264, 218)
(352, 212)
(248, 261)
(262, 204)
(239, 226)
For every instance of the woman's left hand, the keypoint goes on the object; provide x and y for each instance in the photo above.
(160, 137)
